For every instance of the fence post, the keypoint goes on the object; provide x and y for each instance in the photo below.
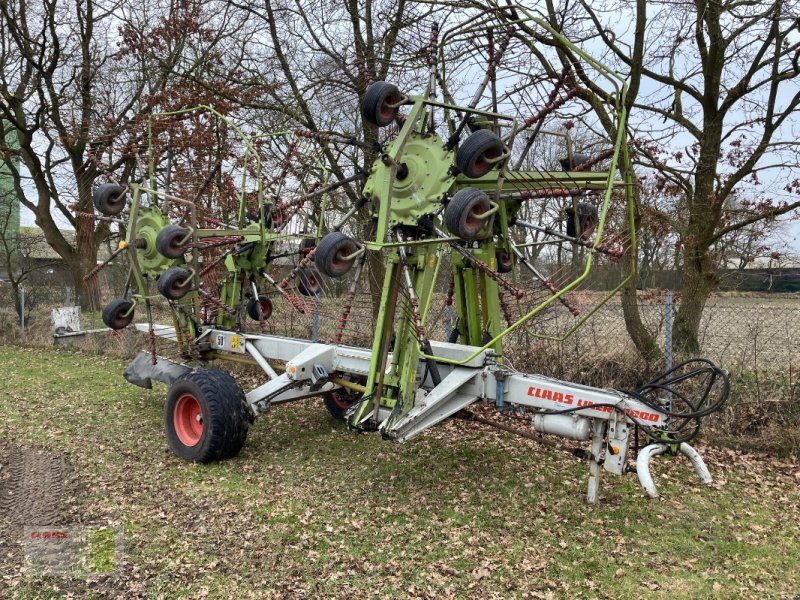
(668, 338)
(22, 310)
(315, 324)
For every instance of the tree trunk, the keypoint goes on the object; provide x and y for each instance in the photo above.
(699, 279)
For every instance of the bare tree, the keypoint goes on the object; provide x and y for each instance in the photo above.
(713, 97)
(73, 83)
(17, 252)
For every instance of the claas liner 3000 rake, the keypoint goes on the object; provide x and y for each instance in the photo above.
(448, 196)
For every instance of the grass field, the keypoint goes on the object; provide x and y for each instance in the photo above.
(311, 510)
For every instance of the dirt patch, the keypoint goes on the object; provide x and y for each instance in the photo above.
(35, 487)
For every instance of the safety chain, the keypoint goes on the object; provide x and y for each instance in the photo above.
(497, 56)
(282, 209)
(594, 160)
(304, 262)
(550, 107)
(504, 307)
(216, 301)
(186, 333)
(493, 275)
(550, 193)
(547, 282)
(216, 242)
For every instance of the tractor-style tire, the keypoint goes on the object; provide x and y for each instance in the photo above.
(376, 106)
(505, 261)
(175, 283)
(474, 155)
(109, 199)
(170, 241)
(459, 216)
(331, 253)
(338, 401)
(118, 314)
(308, 282)
(259, 309)
(206, 416)
(587, 220)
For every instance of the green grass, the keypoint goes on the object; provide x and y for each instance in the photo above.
(309, 509)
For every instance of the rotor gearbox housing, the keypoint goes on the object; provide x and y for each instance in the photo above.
(423, 178)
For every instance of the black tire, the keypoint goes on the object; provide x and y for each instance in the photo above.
(505, 261)
(459, 216)
(586, 221)
(175, 283)
(339, 401)
(219, 430)
(259, 309)
(114, 314)
(168, 241)
(332, 250)
(308, 282)
(376, 107)
(109, 199)
(472, 155)
(577, 160)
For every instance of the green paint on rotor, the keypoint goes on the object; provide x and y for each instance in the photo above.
(149, 223)
(422, 178)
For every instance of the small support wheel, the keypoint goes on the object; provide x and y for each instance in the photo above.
(259, 309)
(333, 252)
(171, 241)
(109, 199)
(337, 402)
(462, 215)
(505, 261)
(206, 416)
(586, 220)
(309, 283)
(175, 283)
(479, 153)
(379, 106)
(118, 314)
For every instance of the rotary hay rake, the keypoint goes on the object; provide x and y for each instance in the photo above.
(469, 253)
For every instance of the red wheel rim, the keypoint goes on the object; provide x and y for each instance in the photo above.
(387, 111)
(266, 309)
(188, 419)
(340, 401)
(474, 224)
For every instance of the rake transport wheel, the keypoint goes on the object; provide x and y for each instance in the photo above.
(308, 282)
(332, 254)
(379, 103)
(175, 283)
(586, 221)
(479, 153)
(118, 314)
(171, 241)
(462, 212)
(206, 416)
(109, 199)
(339, 401)
(259, 309)
(505, 261)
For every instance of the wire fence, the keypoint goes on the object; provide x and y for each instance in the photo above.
(756, 337)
